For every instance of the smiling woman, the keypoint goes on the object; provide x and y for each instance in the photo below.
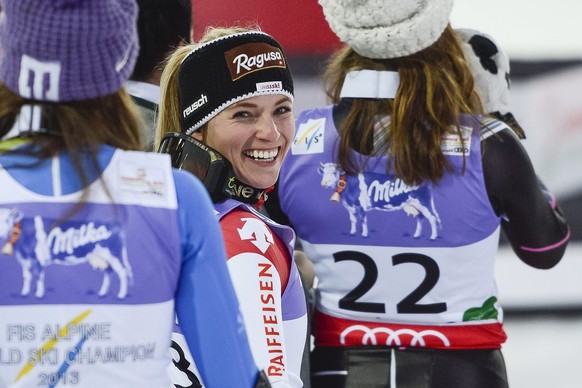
(231, 96)
(254, 135)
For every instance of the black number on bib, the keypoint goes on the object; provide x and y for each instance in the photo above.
(409, 304)
(182, 364)
(349, 302)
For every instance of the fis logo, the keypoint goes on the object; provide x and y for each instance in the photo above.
(309, 138)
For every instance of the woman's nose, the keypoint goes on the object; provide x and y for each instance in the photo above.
(267, 129)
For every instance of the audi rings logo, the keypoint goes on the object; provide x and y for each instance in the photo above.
(394, 337)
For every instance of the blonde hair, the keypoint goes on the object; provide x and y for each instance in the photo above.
(436, 87)
(169, 118)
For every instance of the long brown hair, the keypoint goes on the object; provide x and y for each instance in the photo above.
(436, 86)
(78, 127)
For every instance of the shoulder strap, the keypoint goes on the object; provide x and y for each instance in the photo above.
(145, 103)
(491, 126)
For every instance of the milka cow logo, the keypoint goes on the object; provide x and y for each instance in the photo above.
(36, 246)
(370, 191)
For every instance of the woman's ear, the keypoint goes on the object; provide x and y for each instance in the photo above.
(197, 135)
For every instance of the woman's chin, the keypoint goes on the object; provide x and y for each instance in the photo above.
(261, 184)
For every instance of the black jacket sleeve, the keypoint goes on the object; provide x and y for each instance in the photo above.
(532, 220)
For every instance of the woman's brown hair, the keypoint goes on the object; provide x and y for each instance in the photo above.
(436, 87)
(79, 127)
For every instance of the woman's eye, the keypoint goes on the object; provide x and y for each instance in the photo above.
(242, 114)
(282, 110)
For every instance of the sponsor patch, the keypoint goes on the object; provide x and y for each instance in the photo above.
(451, 143)
(309, 138)
(139, 180)
(250, 57)
(273, 85)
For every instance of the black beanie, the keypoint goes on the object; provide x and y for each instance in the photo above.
(229, 69)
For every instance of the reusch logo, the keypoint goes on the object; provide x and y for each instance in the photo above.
(251, 57)
(195, 105)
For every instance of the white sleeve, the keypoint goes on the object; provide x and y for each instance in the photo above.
(258, 287)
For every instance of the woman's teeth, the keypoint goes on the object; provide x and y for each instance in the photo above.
(264, 155)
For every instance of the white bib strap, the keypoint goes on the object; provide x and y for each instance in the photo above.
(28, 120)
(370, 84)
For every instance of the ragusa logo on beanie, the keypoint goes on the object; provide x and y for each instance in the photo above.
(251, 57)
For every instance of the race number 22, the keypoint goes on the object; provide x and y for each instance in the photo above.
(409, 304)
